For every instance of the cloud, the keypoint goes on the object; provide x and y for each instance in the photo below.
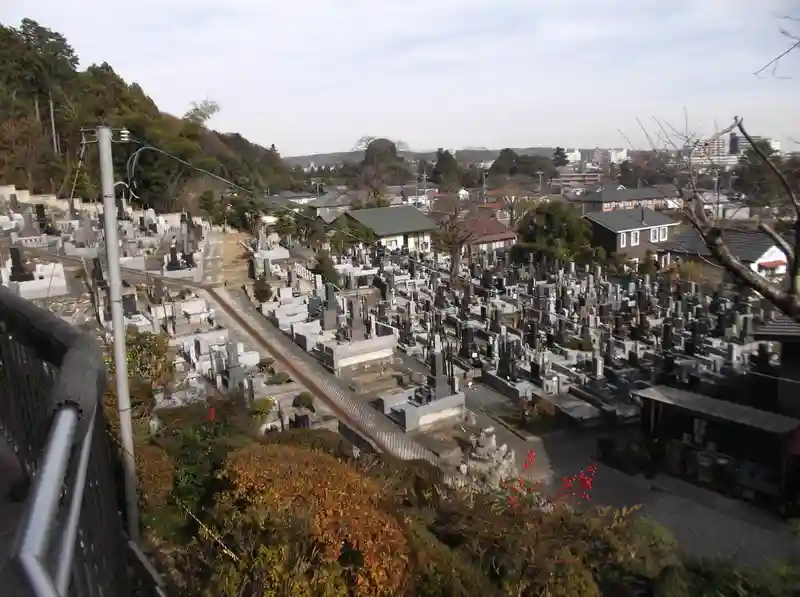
(315, 75)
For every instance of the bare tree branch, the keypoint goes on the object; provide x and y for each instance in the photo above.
(784, 297)
(778, 240)
(794, 264)
(454, 233)
(774, 62)
(771, 165)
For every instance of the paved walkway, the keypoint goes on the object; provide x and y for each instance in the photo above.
(705, 523)
(340, 396)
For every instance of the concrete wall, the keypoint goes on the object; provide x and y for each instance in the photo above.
(417, 241)
(411, 416)
(49, 281)
(202, 341)
(82, 252)
(338, 356)
(41, 241)
(133, 262)
(306, 333)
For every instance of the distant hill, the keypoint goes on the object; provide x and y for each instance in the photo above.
(463, 155)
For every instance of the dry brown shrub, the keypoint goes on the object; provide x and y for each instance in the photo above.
(340, 504)
(156, 472)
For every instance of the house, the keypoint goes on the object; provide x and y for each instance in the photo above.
(511, 210)
(412, 194)
(630, 232)
(397, 226)
(570, 180)
(332, 204)
(753, 247)
(513, 192)
(610, 197)
(485, 234)
(289, 199)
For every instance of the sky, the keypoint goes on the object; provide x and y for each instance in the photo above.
(315, 76)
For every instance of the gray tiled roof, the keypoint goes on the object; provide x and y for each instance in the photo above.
(388, 221)
(410, 190)
(297, 195)
(620, 220)
(610, 192)
(780, 327)
(332, 199)
(745, 245)
(721, 409)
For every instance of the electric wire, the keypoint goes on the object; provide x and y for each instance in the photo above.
(133, 160)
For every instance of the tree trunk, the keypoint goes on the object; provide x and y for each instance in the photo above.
(36, 109)
(52, 119)
(455, 263)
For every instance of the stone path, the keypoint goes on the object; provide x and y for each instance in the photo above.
(705, 523)
(387, 434)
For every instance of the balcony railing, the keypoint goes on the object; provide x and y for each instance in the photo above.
(71, 539)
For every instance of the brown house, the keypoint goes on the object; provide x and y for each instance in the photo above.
(487, 233)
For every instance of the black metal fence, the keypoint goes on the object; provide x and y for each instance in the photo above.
(71, 539)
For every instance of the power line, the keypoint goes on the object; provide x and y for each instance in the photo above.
(133, 161)
(215, 536)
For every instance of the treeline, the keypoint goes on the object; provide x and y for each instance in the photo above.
(446, 173)
(46, 99)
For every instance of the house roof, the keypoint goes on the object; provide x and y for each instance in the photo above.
(513, 191)
(409, 190)
(389, 221)
(781, 327)
(639, 218)
(611, 192)
(332, 199)
(486, 228)
(747, 246)
(721, 409)
(297, 195)
(328, 216)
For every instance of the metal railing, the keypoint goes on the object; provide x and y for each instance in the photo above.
(71, 540)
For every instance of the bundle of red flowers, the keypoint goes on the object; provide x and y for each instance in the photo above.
(577, 486)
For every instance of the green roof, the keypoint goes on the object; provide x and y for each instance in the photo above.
(392, 221)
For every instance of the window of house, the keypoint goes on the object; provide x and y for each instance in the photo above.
(623, 240)
(634, 238)
(662, 233)
(654, 235)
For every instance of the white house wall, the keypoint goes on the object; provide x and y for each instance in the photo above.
(772, 254)
(419, 241)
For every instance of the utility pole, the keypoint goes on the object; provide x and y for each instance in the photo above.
(104, 141)
(540, 173)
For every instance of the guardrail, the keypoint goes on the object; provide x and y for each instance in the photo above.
(71, 539)
(374, 425)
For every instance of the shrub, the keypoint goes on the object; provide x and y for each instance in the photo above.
(304, 400)
(281, 377)
(271, 482)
